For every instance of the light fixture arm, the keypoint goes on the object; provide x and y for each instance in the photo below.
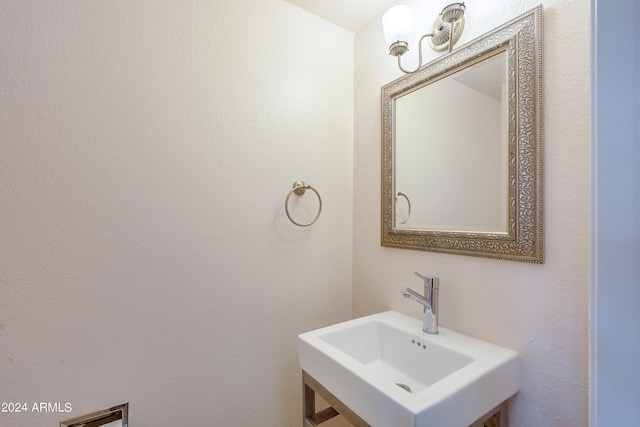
(453, 26)
(445, 31)
(419, 55)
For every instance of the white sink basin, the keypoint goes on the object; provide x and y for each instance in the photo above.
(370, 364)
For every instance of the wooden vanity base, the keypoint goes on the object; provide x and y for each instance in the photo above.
(310, 418)
(497, 417)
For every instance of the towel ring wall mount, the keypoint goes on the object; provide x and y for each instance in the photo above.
(299, 188)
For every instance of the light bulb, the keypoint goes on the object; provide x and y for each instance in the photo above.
(397, 23)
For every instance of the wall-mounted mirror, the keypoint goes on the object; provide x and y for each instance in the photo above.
(462, 149)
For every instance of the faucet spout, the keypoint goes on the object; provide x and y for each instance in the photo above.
(429, 301)
(411, 294)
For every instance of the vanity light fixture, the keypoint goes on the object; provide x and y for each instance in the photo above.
(445, 30)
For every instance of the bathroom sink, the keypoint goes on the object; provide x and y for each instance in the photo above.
(390, 373)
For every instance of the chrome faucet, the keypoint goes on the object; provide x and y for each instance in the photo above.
(429, 301)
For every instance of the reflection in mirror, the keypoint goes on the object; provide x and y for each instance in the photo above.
(456, 174)
(462, 149)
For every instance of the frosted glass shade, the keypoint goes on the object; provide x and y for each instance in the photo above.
(396, 24)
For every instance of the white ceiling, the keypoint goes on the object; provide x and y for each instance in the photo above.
(349, 14)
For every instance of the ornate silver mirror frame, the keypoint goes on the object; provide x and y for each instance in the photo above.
(522, 240)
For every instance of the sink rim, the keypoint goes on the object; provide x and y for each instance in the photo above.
(447, 340)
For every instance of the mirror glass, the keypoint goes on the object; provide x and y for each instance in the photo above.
(462, 149)
(454, 176)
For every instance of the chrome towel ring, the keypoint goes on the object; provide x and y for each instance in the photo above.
(299, 188)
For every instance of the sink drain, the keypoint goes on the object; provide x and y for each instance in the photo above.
(404, 386)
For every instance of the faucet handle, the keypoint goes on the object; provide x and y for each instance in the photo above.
(430, 282)
(420, 275)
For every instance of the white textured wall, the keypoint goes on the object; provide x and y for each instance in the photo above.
(146, 149)
(539, 310)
